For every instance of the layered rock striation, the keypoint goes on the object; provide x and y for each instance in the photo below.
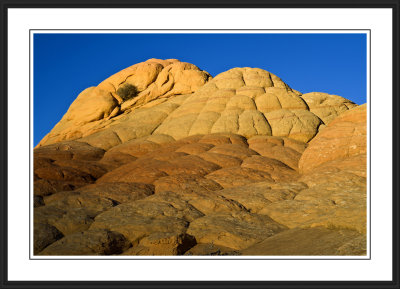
(239, 164)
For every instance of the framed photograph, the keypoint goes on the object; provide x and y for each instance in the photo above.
(211, 145)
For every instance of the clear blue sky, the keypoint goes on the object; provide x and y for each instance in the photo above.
(66, 64)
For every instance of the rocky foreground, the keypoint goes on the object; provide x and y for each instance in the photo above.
(239, 164)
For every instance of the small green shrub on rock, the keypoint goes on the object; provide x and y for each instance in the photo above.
(127, 91)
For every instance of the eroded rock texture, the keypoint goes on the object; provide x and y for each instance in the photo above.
(239, 164)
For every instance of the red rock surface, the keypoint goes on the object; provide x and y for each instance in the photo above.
(237, 165)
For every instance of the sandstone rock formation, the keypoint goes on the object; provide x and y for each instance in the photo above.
(239, 164)
(98, 107)
(327, 107)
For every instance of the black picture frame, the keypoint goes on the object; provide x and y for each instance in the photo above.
(7, 4)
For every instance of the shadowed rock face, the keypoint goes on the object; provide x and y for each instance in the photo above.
(239, 164)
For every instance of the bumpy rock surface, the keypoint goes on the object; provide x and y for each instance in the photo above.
(327, 107)
(240, 164)
(244, 101)
(98, 107)
(99, 242)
